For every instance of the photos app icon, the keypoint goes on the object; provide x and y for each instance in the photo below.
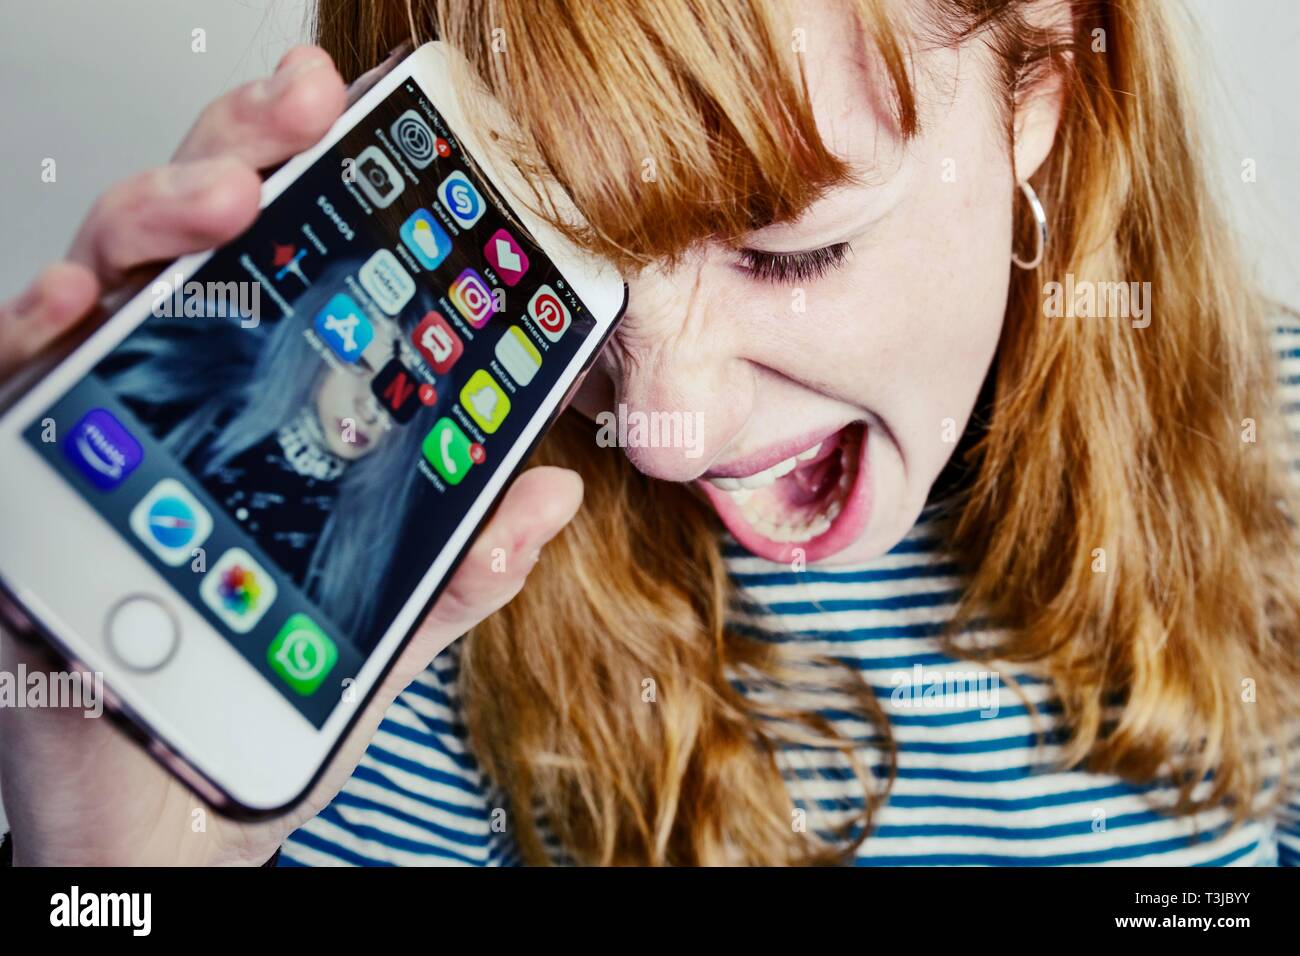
(238, 590)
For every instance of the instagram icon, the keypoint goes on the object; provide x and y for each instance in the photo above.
(469, 293)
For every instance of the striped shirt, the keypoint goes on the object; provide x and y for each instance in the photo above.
(978, 782)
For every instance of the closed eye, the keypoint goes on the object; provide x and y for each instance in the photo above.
(785, 268)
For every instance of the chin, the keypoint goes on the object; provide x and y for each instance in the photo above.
(348, 451)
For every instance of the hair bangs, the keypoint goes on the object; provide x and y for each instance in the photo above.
(667, 124)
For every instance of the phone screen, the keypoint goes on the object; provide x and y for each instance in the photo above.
(296, 431)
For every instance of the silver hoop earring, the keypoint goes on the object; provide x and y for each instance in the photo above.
(1040, 220)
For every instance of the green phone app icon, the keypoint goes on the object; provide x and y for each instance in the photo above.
(302, 654)
(449, 450)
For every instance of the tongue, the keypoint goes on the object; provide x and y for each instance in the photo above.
(808, 484)
(815, 478)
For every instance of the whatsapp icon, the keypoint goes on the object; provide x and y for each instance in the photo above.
(302, 654)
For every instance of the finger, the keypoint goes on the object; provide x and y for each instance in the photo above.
(63, 294)
(165, 213)
(265, 122)
(537, 506)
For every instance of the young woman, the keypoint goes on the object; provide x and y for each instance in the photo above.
(960, 576)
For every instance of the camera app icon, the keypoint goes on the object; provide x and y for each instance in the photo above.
(378, 177)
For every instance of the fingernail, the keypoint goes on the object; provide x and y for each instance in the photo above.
(277, 85)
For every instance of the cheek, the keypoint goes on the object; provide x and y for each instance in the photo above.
(906, 333)
(944, 311)
(325, 399)
(908, 328)
(335, 397)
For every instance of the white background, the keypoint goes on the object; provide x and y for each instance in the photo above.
(108, 87)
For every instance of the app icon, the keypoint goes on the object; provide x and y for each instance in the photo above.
(550, 314)
(238, 590)
(171, 522)
(377, 177)
(387, 281)
(518, 355)
(343, 327)
(427, 240)
(438, 342)
(469, 293)
(486, 403)
(398, 391)
(287, 261)
(302, 654)
(412, 133)
(102, 449)
(507, 256)
(461, 199)
(450, 451)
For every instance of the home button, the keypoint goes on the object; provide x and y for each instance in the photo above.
(142, 634)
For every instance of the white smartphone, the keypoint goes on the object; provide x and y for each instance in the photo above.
(239, 496)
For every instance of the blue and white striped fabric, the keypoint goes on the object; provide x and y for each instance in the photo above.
(975, 785)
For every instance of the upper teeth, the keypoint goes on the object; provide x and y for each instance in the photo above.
(767, 475)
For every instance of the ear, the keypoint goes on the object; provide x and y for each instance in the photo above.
(1041, 95)
(1038, 114)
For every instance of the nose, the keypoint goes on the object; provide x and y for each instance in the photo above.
(681, 387)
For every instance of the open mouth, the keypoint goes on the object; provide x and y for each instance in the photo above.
(816, 500)
(360, 437)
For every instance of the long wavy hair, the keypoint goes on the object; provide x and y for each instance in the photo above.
(1094, 439)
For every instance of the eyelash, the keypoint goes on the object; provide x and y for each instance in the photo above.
(787, 267)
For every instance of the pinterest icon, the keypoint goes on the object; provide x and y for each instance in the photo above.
(550, 314)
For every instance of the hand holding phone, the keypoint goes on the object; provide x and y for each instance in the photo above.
(76, 790)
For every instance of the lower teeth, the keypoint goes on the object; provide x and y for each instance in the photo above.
(808, 529)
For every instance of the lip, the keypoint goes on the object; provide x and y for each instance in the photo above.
(844, 530)
(758, 461)
(359, 435)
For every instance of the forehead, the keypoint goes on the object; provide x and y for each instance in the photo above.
(852, 97)
(851, 90)
(848, 86)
